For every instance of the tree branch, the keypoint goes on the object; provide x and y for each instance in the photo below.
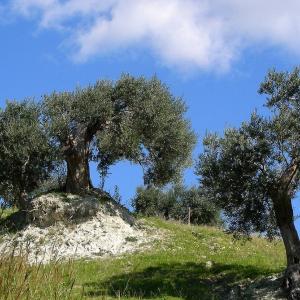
(289, 174)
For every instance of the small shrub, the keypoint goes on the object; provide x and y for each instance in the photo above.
(116, 195)
(131, 239)
(202, 209)
(151, 202)
(175, 203)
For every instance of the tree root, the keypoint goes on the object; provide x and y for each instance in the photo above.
(291, 283)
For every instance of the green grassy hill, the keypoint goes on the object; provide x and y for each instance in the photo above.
(179, 267)
(191, 262)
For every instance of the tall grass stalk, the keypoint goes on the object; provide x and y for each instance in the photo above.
(20, 280)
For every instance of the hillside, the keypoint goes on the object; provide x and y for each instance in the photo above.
(190, 262)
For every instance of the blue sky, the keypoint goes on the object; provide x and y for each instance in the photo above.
(213, 53)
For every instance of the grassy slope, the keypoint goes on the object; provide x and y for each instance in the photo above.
(177, 267)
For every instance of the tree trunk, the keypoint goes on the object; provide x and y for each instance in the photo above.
(76, 151)
(78, 171)
(285, 221)
(22, 204)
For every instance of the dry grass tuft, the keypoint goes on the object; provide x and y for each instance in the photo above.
(20, 280)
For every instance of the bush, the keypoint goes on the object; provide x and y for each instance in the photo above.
(174, 203)
(202, 210)
(151, 202)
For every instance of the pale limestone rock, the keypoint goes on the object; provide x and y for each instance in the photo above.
(69, 226)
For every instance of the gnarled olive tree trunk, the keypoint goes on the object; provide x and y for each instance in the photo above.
(76, 152)
(78, 172)
(285, 221)
(22, 203)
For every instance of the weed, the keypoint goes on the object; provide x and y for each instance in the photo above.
(131, 239)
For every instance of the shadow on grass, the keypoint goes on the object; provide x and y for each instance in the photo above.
(188, 281)
(13, 223)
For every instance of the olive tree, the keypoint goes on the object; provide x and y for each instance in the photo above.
(72, 120)
(253, 171)
(177, 202)
(26, 154)
(133, 118)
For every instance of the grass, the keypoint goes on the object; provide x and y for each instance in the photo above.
(191, 262)
(6, 212)
(19, 280)
(11, 220)
(177, 267)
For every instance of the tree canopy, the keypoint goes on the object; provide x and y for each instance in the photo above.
(148, 128)
(175, 202)
(239, 170)
(137, 119)
(134, 118)
(26, 152)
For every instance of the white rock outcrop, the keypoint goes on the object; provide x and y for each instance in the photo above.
(64, 226)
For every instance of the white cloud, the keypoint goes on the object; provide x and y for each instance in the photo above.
(203, 34)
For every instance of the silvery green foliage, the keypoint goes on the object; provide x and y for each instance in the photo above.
(245, 166)
(175, 202)
(194, 201)
(148, 128)
(26, 153)
(66, 113)
(137, 119)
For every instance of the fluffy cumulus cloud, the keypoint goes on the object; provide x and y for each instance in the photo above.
(203, 34)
